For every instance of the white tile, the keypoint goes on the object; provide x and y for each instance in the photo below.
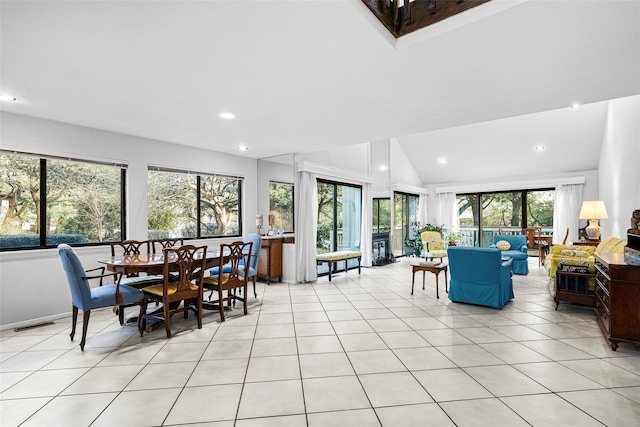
(403, 339)
(606, 406)
(357, 417)
(482, 412)
(195, 404)
(360, 342)
(104, 379)
(237, 349)
(220, 371)
(274, 347)
(127, 408)
(318, 344)
(273, 368)
(272, 398)
(450, 384)
(414, 416)
(43, 383)
(283, 421)
(162, 375)
(325, 365)
(375, 361)
(334, 394)
(549, 410)
(505, 381)
(514, 352)
(392, 389)
(603, 372)
(556, 377)
(81, 409)
(14, 412)
(469, 355)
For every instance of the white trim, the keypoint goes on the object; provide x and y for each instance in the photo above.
(36, 321)
(511, 185)
(407, 188)
(331, 172)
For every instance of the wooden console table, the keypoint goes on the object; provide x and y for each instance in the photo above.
(270, 260)
(617, 299)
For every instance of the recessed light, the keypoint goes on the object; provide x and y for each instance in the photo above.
(243, 148)
(443, 160)
(575, 105)
(540, 147)
(383, 167)
(227, 116)
(7, 97)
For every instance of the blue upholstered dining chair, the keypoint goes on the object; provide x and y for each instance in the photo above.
(253, 260)
(86, 298)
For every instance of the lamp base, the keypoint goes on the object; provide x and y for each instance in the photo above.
(593, 230)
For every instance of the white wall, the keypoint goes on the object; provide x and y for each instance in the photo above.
(619, 169)
(33, 286)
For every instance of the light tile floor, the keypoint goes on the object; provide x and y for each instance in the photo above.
(358, 351)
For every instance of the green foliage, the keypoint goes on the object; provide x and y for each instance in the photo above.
(33, 240)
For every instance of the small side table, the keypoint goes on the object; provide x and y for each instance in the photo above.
(435, 269)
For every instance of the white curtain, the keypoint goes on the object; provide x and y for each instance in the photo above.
(422, 209)
(366, 244)
(306, 227)
(446, 213)
(566, 211)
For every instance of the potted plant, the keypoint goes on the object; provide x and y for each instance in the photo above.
(454, 238)
(412, 245)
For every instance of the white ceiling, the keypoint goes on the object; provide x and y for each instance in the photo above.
(308, 75)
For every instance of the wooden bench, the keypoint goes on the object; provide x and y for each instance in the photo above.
(333, 257)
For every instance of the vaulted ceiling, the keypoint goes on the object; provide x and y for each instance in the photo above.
(488, 84)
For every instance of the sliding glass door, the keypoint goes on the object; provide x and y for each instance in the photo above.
(405, 219)
(339, 219)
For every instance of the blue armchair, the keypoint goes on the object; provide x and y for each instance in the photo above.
(517, 251)
(86, 298)
(479, 276)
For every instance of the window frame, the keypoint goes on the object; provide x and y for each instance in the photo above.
(199, 175)
(42, 190)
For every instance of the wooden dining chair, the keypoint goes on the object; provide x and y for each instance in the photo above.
(135, 279)
(566, 235)
(535, 243)
(159, 244)
(189, 262)
(231, 277)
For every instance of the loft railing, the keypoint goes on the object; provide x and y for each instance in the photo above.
(402, 17)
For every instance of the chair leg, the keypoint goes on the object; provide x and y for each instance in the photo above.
(142, 321)
(199, 312)
(85, 324)
(167, 318)
(244, 300)
(74, 319)
(121, 314)
(221, 304)
(255, 294)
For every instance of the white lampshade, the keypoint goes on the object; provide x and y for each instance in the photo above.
(593, 209)
(259, 220)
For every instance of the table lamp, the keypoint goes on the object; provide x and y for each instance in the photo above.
(593, 210)
(259, 222)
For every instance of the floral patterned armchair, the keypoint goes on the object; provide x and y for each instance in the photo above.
(433, 244)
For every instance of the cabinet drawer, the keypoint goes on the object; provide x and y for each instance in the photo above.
(602, 298)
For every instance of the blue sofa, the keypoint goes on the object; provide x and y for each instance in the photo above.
(479, 276)
(517, 252)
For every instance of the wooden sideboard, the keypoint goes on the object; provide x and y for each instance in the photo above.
(270, 261)
(617, 299)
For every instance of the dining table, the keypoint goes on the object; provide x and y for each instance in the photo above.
(152, 264)
(149, 263)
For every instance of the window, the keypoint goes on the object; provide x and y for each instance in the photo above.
(81, 202)
(482, 215)
(405, 219)
(281, 206)
(339, 219)
(381, 216)
(186, 205)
